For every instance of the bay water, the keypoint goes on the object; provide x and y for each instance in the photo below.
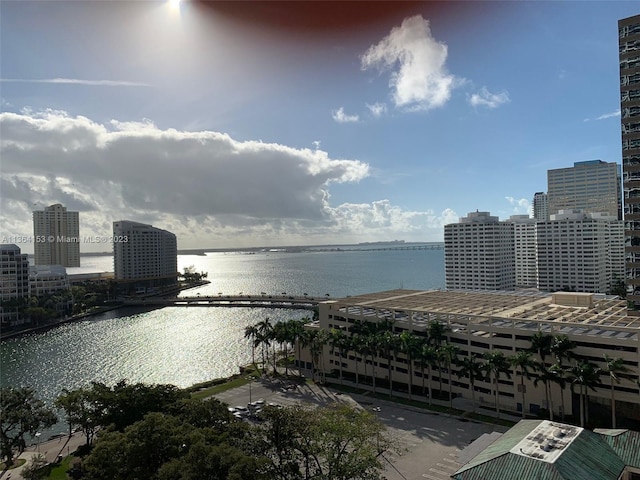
(187, 345)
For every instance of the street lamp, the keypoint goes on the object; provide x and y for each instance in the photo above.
(38, 441)
(250, 378)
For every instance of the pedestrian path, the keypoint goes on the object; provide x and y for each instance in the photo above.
(62, 445)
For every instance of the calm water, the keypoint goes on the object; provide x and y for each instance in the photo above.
(184, 346)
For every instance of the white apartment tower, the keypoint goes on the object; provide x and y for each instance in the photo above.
(579, 251)
(524, 235)
(593, 186)
(56, 237)
(540, 207)
(144, 256)
(14, 283)
(479, 253)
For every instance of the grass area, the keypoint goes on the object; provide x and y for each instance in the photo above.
(213, 387)
(17, 463)
(59, 472)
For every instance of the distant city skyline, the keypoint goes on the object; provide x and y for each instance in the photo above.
(279, 127)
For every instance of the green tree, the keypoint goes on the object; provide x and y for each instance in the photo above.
(82, 409)
(495, 365)
(616, 370)
(140, 450)
(21, 413)
(472, 368)
(562, 349)
(427, 358)
(339, 341)
(251, 333)
(586, 376)
(449, 355)
(338, 443)
(409, 345)
(541, 344)
(523, 363)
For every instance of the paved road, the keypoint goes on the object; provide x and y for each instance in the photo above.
(429, 442)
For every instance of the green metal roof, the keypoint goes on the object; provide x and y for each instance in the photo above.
(589, 456)
(626, 444)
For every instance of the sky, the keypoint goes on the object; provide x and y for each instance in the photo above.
(246, 124)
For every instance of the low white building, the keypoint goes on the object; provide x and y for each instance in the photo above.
(47, 279)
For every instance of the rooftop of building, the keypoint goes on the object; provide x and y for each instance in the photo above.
(544, 450)
(523, 307)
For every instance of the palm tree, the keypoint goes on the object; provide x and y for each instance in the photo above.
(496, 364)
(371, 347)
(587, 376)
(388, 345)
(523, 360)
(338, 340)
(264, 338)
(296, 331)
(471, 368)
(541, 344)
(409, 346)
(436, 331)
(546, 375)
(426, 358)
(315, 340)
(251, 332)
(561, 348)
(449, 355)
(616, 370)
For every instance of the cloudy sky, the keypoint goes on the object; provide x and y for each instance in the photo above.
(274, 123)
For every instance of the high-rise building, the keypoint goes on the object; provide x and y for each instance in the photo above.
(593, 186)
(144, 257)
(629, 49)
(540, 207)
(573, 250)
(479, 253)
(14, 283)
(524, 235)
(579, 251)
(56, 237)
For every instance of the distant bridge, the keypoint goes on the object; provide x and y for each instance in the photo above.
(304, 302)
(372, 248)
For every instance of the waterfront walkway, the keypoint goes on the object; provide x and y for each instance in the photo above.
(61, 445)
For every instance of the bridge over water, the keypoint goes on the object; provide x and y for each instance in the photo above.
(304, 302)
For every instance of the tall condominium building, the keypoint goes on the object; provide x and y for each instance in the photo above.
(579, 251)
(14, 283)
(541, 206)
(144, 257)
(592, 186)
(573, 250)
(479, 253)
(629, 48)
(57, 237)
(524, 235)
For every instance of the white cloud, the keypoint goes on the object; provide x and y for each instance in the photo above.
(420, 80)
(78, 81)
(341, 117)
(520, 206)
(605, 116)
(377, 109)
(485, 98)
(208, 188)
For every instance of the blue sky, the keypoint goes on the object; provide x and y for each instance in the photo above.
(302, 123)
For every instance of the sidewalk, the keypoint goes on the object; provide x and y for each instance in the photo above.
(63, 445)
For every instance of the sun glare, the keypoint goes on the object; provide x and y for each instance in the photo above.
(175, 4)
